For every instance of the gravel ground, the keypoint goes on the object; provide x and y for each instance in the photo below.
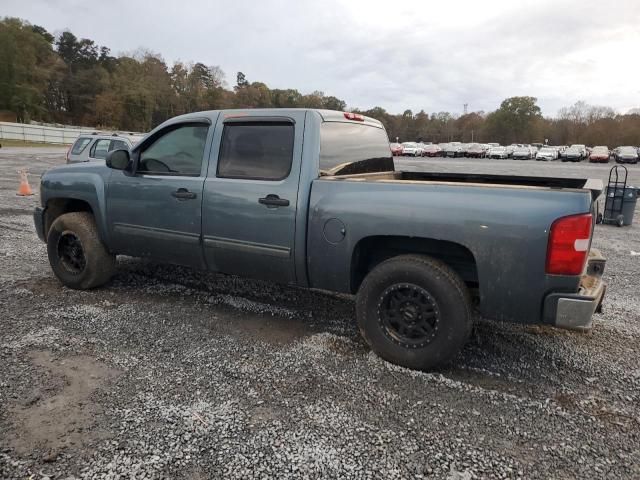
(172, 373)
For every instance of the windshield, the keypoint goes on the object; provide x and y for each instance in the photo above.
(547, 150)
(348, 148)
(628, 150)
(410, 144)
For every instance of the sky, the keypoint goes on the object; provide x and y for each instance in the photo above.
(398, 55)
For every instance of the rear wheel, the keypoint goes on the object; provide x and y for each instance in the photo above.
(414, 311)
(77, 255)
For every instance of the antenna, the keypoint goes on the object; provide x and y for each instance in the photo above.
(465, 108)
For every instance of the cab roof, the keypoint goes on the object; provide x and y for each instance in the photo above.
(325, 115)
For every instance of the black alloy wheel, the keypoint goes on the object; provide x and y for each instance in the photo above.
(71, 253)
(409, 315)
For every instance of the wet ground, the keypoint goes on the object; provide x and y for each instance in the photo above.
(168, 372)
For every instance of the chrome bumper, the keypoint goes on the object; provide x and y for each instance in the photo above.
(575, 311)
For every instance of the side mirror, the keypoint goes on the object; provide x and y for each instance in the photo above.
(118, 159)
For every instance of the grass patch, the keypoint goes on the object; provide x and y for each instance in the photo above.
(20, 143)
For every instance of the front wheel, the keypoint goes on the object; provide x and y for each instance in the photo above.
(414, 311)
(77, 255)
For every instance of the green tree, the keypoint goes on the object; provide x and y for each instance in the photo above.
(26, 60)
(514, 121)
(84, 80)
(43, 33)
(289, 98)
(241, 81)
(470, 126)
(334, 103)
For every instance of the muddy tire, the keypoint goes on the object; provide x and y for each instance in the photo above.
(77, 256)
(414, 311)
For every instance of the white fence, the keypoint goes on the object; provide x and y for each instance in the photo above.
(45, 134)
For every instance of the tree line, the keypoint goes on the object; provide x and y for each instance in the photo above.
(71, 80)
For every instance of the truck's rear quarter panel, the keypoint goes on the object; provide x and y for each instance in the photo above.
(504, 227)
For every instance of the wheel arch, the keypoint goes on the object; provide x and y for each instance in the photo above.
(60, 205)
(371, 251)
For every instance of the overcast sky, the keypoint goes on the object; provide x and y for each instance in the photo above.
(397, 54)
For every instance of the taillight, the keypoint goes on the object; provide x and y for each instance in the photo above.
(354, 116)
(568, 246)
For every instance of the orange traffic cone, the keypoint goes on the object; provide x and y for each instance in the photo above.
(24, 189)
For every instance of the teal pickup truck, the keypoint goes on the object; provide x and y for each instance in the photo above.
(310, 198)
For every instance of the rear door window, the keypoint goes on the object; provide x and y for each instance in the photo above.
(80, 144)
(118, 145)
(100, 148)
(256, 150)
(348, 148)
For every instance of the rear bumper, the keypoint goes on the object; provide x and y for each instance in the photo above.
(574, 311)
(38, 220)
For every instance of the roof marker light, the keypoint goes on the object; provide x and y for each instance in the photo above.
(354, 116)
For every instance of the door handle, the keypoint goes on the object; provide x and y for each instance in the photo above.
(273, 201)
(183, 194)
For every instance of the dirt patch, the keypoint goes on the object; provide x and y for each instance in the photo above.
(263, 414)
(492, 382)
(15, 211)
(41, 285)
(272, 330)
(51, 420)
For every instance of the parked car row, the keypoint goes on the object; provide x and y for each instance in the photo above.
(625, 154)
(516, 151)
(602, 154)
(458, 149)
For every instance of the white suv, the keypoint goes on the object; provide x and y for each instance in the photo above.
(96, 146)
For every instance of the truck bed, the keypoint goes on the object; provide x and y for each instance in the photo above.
(594, 185)
(501, 222)
(550, 182)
